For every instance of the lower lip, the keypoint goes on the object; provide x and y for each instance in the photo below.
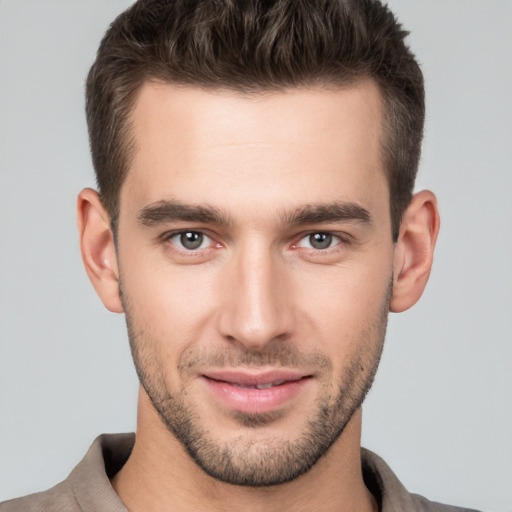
(254, 401)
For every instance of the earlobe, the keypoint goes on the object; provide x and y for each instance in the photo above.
(98, 249)
(414, 250)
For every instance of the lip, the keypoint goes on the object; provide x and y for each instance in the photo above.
(237, 389)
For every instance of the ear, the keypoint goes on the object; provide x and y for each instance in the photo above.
(414, 250)
(98, 249)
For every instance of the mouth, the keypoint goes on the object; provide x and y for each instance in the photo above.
(255, 393)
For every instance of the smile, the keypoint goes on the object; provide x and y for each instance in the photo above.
(256, 393)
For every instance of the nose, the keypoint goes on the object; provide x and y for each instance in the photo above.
(257, 299)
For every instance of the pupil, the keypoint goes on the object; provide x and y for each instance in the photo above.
(191, 240)
(320, 240)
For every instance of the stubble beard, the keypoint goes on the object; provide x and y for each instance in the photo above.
(265, 462)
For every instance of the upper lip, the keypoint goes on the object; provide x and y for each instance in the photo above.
(251, 378)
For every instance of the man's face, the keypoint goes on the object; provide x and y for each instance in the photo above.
(256, 258)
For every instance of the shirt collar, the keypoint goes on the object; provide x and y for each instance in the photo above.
(90, 480)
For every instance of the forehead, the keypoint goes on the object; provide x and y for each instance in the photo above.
(294, 146)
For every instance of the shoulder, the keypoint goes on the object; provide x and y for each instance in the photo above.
(57, 499)
(389, 492)
(88, 487)
(423, 505)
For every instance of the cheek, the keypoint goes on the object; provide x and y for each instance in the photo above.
(345, 308)
(169, 308)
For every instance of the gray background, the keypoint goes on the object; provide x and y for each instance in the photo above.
(440, 412)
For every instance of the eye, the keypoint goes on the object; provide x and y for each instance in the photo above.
(319, 241)
(190, 240)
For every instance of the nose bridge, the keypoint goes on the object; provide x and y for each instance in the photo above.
(256, 310)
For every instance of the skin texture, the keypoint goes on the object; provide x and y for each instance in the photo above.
(253, 179)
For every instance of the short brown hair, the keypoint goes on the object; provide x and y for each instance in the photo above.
(250, 46)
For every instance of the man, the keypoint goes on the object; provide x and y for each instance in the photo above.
(255, 222)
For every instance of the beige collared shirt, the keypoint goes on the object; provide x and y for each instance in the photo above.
(88, 489)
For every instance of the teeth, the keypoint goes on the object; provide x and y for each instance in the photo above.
(261, 386)
(269, 385)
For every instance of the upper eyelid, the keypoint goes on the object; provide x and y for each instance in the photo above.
(345, 237)
(166, 235)
(342, 236)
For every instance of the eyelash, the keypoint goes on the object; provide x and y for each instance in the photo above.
(340, 239)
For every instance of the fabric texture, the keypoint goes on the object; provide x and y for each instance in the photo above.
(88, 489)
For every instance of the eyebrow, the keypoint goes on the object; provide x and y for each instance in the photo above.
(170, 210)
(331, 212)
(164, 211)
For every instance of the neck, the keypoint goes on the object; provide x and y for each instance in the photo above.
(150, 482)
